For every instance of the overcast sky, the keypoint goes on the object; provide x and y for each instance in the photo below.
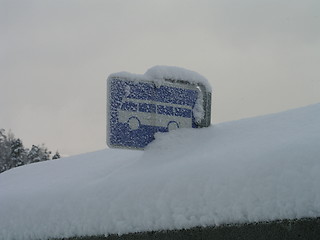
(261, 56)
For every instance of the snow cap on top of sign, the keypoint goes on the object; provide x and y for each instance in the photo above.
(177, 73)
(160, 73)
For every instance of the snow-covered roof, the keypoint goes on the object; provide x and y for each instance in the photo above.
(257, 169)
(160, 73)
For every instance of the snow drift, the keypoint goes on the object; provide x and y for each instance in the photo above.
(257, 169)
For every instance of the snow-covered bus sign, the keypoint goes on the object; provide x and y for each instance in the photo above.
(163, 99)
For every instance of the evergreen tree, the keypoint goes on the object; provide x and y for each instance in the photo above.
(13, 153)
(4, 151)
(33, 154)
(38, 154)
(44, 153)
(18, 153)
(56, 155)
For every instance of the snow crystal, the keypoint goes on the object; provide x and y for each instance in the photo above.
(257, 169)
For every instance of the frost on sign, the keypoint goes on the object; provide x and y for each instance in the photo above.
(161, 100)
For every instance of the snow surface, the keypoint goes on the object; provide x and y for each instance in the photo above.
(157, 74)
(177, 73)
(257, 169)
(198, 111)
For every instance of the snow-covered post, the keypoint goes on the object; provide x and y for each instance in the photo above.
(161, 100)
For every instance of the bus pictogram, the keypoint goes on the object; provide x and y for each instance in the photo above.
(138, 113)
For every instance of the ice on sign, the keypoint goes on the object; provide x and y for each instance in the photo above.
(161, 100)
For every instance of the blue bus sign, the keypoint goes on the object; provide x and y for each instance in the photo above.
(138, 108)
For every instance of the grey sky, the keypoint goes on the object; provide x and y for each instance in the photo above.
(261, 56)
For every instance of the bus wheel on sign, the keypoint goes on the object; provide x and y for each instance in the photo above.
(134, 123)
(172, 126)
